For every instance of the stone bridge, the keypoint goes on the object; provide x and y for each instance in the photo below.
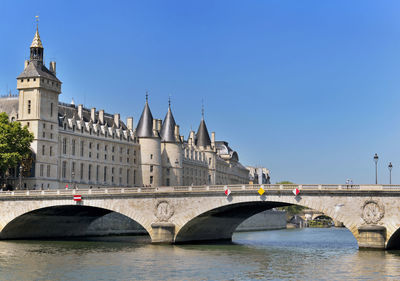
(200, 213)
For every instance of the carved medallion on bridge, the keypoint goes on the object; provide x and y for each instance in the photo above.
(372, 212)
(164, 210)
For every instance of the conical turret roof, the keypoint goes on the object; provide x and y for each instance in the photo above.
(36, 42)
(202, 136)
(144, 128)
(168, 127)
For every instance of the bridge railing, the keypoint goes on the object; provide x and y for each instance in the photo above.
(201, 188)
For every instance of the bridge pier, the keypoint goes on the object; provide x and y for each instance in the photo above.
(163, 233)
(372, 237)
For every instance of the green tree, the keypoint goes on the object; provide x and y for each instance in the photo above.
(15, 142)
(292, 209)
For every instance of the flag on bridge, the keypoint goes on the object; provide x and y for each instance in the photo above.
(261, 191)
(296, 191)
(227, 191)
(77, 198)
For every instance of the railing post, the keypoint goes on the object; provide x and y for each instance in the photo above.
(320, 186)
(281, 186)
(243, 187)
(207, 187)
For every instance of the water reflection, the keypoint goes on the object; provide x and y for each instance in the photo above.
(307, 254)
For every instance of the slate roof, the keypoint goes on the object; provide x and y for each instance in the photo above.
(144, 128)
(202, 136)
(168, 128)
(37, 69)
(69, 111)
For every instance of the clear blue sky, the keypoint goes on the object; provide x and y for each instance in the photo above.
(308, 89)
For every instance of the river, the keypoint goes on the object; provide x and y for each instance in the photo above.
(292, 254)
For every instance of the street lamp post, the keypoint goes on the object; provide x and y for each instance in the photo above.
(376, 167)
(20, 176)
(390, 172)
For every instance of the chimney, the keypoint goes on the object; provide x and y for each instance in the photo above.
(182, 139)
(129, 123)
(159, 124)
(53, 67)
(154, 126)
(93, 114)
(116, 120)
(177, 132)
(191, 138)
(213, 139)
(26, 64)
(80, 109)
(101, 116)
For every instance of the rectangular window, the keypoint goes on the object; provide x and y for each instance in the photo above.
(73, 170)
(43, 149)
(90, 173)
(167, 171)
(64, 146)
(82, 144)
(151, 168)
(73, 147)
(105, 174)
(64, 169)
(134, 176)
(97, 173)
(48, 170)
(127, 176)
(167, 182)
(81, 171)
(51, 151)
(51, 110)
(41, 170)
(151, 179)
(44, 135)
(29, 107)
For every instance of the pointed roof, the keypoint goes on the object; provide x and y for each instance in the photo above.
(168, 127)
(202, 136)
(35, 69)
(144, 128)
(36, 42)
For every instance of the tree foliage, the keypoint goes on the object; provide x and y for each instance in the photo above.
(15, 142)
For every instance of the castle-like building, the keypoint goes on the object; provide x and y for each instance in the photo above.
(82, 147)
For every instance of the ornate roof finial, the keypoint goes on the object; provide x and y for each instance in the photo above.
(37, 22)
(147, 96)
(37, 43)
(169, 101)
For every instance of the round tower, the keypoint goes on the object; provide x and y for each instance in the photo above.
(171, 151)
(150, 148)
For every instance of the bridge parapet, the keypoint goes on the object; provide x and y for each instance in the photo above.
(203, 188)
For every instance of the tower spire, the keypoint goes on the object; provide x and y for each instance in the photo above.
(202, 109)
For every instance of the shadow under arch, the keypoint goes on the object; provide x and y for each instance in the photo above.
(394, 241)
(56, 222)
(219, 224)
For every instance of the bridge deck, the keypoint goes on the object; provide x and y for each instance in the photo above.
(307, 188)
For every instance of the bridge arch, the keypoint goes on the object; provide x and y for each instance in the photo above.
(60, 218)
(219, 220)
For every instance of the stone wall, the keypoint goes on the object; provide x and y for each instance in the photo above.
(267, 220)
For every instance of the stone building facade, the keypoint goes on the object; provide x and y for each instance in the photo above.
(83, 147)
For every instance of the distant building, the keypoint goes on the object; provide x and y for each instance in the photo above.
(78, 146)
(258, 175)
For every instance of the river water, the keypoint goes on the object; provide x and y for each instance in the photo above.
(295, 254)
